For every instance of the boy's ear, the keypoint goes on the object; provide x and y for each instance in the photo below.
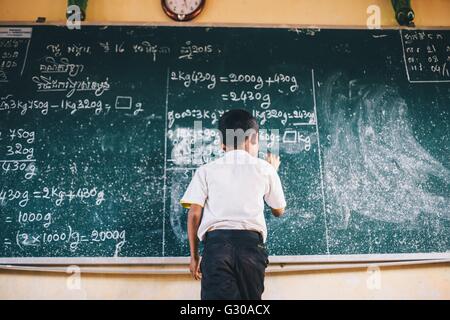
(224, 147)
(254, 138)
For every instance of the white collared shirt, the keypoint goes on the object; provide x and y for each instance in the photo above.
(232, 190)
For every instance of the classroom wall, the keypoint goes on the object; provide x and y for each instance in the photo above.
(304, 12)
(402, 282)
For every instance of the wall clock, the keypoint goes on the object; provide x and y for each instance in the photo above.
(183, 10)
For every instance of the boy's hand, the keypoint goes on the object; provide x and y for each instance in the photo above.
(274, 160)
(194, 267)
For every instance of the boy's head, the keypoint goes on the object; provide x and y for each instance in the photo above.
(239, 130)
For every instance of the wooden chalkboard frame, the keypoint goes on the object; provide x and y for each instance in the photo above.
(352, 258)
(185, 260)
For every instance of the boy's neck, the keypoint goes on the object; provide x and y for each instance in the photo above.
(240, 148)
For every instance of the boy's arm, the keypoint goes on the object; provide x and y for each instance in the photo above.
(194, 198)
(277, 195)
(194, 218)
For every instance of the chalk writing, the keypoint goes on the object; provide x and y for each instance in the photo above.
(52, 194)
(426, 55)
(13, 54)
(190, 50)
(71, 237)
(63, 66)
(48, 84)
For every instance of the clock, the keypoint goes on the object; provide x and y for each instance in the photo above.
(183, 10)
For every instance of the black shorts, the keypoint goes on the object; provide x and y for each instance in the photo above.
(233, 265)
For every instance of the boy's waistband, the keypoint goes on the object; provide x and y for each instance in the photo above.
(225, 234)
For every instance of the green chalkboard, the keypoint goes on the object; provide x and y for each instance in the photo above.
(102, 128)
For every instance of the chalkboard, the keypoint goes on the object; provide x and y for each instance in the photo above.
(102, 128)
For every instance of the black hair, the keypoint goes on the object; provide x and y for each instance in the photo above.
(237, 120)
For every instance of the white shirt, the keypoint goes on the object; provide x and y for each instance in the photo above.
(232, 190)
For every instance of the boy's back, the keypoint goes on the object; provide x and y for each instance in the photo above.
(232, 190)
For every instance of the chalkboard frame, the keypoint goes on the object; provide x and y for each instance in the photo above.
(432, 256)
(444, 256)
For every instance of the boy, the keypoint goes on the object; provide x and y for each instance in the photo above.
(231, 192)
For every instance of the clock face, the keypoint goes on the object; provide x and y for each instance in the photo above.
(182, 9)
